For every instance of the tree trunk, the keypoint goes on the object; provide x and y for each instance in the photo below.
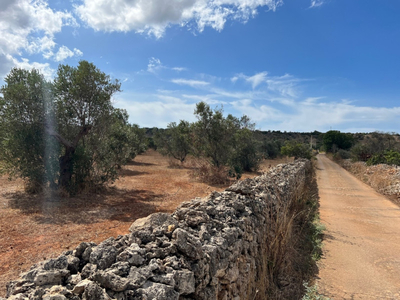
(66, 168)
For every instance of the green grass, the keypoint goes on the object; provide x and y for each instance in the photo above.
(312, 293)
(317, 231)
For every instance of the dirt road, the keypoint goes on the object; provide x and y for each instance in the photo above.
(362, 241)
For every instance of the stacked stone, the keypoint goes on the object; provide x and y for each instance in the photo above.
(212, 248)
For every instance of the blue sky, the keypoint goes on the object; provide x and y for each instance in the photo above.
(294, 65)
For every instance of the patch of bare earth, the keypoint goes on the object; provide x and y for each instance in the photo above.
(34, 228)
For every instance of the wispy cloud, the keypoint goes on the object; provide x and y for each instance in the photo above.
(190, 82)
(286, 85)
(274, 102)
(179, 69)
(257, 79)
(316, 3)
(311, 114)
(154, 65)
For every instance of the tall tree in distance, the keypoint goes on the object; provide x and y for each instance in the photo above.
(334, 140)
(175, 141)
(225, 141)
(213, 134)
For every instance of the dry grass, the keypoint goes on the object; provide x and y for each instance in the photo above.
(34, 228)
(203, 171)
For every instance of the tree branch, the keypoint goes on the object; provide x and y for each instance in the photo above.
(58, 137)
(84, 131)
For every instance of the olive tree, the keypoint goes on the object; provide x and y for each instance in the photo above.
(225, 141)
(25, 149)
(175, 141)
(83, 99)
(64, 133)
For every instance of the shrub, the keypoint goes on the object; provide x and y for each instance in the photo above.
(205, 172)
(344, 154)
(360, 152)
(389, 157)
(297, 150)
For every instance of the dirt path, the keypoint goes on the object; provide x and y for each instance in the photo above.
(362, 241)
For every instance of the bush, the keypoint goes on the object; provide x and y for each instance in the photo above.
(270, 149)
(205, 172)
(344, 154)
(389, 157)
(245, 156)
(360, 152)
(297, 150)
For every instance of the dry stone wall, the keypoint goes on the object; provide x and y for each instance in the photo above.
(230, 245)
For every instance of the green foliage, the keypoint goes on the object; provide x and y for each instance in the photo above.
(175, 141)
(312, 293)
(389, 157)
(342, 154)
(334, 140)
(64, 133)
(138, 140)
(26, 150)
(373, 146)
(213, 135)
(245, 154)
(361, 152)
(224, 141)
(270, 149)
(296, 150)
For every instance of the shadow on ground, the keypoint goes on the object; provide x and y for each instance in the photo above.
(113, 204)
(128, 172)
(136, 163)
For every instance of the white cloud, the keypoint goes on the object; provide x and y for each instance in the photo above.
(154, 65)
(158, 110)
(154, 16)
(257, 79)
(44, 69)
(192, 83)
(29, 25)
(64, 53)
(316, 3)
(273, 102)
(286, 85)
(209, 99)
(312, 114)
(179, 69)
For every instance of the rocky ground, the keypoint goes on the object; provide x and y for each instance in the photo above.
(383, 178)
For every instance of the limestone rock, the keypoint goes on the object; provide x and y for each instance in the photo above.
(187, 243)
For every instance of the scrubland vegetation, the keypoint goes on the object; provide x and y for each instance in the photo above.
(66, 135)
